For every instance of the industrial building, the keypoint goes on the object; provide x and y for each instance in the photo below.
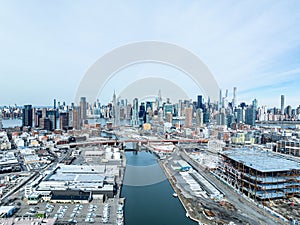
(261, 175)
(73, 183)
(9, 163)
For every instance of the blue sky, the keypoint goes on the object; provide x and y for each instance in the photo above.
(46, 47)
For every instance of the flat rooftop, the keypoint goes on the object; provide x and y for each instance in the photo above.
(263, 161)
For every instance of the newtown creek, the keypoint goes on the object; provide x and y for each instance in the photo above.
(148, 193)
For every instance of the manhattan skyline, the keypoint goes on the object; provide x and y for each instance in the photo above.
(47, 48)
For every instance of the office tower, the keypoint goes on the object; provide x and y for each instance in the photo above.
(250, 113)
(38, 114)
(27, 116)
(63, 120)
(240, 115)
(250, 116)
(282, 104)
(135, 112)
(54, 103)
(51, 114)
(142, 110)
(188, 117)
(142, 113)
(199, 102)
(83, 106)
(199, 117)
(206, 115)
(234, 100)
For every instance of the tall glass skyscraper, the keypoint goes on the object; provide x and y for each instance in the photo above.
(135, 112)
(27, 116)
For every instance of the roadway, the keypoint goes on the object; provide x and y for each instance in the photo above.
(244, 207)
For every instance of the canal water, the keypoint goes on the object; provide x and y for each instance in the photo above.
(151, 204)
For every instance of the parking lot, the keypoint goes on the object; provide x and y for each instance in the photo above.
(78, 213)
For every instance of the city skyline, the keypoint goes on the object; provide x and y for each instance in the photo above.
(50, 54)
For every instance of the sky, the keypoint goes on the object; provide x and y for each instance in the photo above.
(46, 47)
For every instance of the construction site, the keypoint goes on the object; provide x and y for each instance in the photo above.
(267, 178)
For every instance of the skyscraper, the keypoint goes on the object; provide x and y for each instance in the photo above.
(142, 113)
(199, 102)
(199, 117)
(220, 100)
(70, 117)
(282, 104)
(63, 120)
(51, 115)
(159, 99)
(83, 106)
(188, 117)
(38, 114)
(250, 116)
(76, 118)
(234, 100)
(135, 112)
(27, 116)
(168, 108)
(240, 115)
(221, 118)
(116, 110)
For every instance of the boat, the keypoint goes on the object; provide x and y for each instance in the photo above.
(175, 195)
